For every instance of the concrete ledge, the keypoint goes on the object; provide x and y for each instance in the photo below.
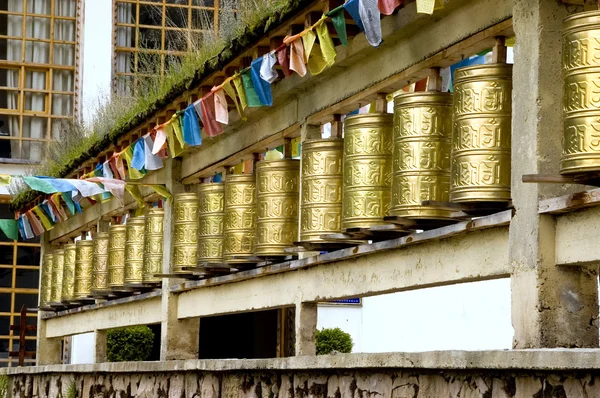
(539, 359)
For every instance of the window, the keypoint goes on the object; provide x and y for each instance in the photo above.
(37, 74)
(151, 34)
(19, 281)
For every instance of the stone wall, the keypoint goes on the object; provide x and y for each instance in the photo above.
(309, 384)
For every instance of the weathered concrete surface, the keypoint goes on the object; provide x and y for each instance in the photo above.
(415, 375)
(577, 238)
(551, 306)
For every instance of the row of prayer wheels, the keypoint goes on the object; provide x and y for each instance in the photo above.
(438, 147)
(127, 255)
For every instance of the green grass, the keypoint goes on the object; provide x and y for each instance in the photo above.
(118, 116)
(4, 386)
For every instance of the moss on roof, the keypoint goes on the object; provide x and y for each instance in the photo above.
(249, 36)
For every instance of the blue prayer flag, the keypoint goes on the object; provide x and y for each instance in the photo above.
(262, 87)
(139, 154)
(353, 9)
(191, 127)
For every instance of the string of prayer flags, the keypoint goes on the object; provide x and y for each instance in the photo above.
(10, 229)
(40, 185)
(228, 88)
(283, 59)
(191, 127)
(428, 6)
(371, 19)
(251, 96)
(339, 23)
(262, 87)
(352, 6)
(151, 161)
(115, 187)
(175, 147)
(239, 87)
(387, 7)
(58, 208)
(211, 126)
(221, 110)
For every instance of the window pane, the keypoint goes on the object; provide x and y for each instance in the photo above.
(125, 37)
(38, 28)
(27, 278)
(62, 105)
(9, 78)
(35, 102)
(64, 30)
(5, 302)
(37, 52)
(4, 325)
(150, 38)
(126, 13)
(203, 19)
(9, 99)
(15, 6)
(13, 49)
(31, 320)
(150, 15)
(35, 79)
(6, 277)
(148, 63)
(177, 17)
(176, 40)
(4, 348)
(39, 7)
(62, 80)
(64, 54)
(125, 62)
(28, 255)
(6, 254)
(30, 301)
(34, 127)
(65, 8)
(29, 344)
(204, 3)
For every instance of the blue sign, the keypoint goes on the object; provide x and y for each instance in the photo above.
(347, 301)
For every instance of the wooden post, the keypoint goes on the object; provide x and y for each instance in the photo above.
(499, 51)
(336, 126)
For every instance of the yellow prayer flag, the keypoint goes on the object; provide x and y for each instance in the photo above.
(136, 194)
(428, 6)
(162, 191)
(176, 124)
(5, 179)
(326, 42)
(228, 88)
(308, 40)
(174, 147)
(295, 147)
(238, 168)
(43, 218)
(239, 87)
(127, 156)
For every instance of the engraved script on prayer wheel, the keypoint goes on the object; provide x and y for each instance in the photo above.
(100, 262)
(240, 218)
(153, 244)
(116, 256)
(321, 199)
(58, 260)
(277, 198)
(581, 103)
(134, 251)
(421, 160)
(367, 169)
(46, 285)
(211, 197)
(68, 284)
(185, 231)
(481, 134)
(83, 268)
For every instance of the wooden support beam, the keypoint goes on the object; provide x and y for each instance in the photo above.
(287, 148)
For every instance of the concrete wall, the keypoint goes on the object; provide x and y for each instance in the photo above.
(494, 374)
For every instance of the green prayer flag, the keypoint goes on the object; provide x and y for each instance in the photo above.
(251, 95)
(339, 23)
(39, 184)
(69, 202)
(10, 229)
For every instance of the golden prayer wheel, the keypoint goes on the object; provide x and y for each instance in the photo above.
(100, 262)
(134, 251)
(321, 199)
(581, 104)
(421, 159)
(210, 222)
(153, 245)
(185, 231)
(367, 169)
(481, 135)
(240, 218)
(116, 256)
(83, 268)
(277, 198)
(58, 260)
(46, 282)
(68, 281)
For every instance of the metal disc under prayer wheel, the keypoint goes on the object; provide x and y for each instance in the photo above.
(100, 262)
(277, 197)
(240, 218)
(83, 269)
(421, 160)
(185, 231)
(581, 105)
(210, 222)
(153, 245)
(116, 256)
(367, 169)
(321, 199)
(134, 251)
(46, 285)
(481, 134)
(58, 260)
(68, 281)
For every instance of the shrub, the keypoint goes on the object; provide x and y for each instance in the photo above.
(132, 343)
(333, 339)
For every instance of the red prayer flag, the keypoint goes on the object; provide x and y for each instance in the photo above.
(211, 126)
(284, 60)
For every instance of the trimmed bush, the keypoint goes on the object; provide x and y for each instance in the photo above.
(132, 343)
(333, 339)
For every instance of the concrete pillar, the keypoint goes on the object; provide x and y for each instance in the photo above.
(100, 346)
(551, 306)
(306, 328)
(178, 338)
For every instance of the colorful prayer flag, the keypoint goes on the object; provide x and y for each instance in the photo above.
(10, 229)
(191, 127)
(262, 87)
(251, 96)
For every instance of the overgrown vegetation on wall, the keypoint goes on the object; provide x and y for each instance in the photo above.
(119, 115)
(333, 339)
(132, 343)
